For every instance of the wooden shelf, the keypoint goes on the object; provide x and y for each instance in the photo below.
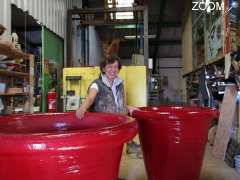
(7, 49)
(194, 70)
(14, 94)
(216, 60)
(11, 52)
(213, 61)
(13, 73)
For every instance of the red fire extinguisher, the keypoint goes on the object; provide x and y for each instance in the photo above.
(51, 101)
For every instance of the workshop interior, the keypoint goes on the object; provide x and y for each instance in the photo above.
(180, 75)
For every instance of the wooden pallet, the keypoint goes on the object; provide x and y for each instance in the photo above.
(227, 115)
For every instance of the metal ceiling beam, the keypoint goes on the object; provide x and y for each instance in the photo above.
(90, 16)
(168, 58)
(131, 43)
(108, 23)
(158, 32)
(167, 24)
(169, 42)
(102, 10)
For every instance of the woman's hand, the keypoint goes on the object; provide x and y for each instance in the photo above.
(131, 109)
(80, 112)
(87, 103)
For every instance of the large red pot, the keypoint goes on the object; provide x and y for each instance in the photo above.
(173, 140)
(58, 146)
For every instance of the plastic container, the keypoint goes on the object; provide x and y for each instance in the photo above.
(173, 140)
(58, 146)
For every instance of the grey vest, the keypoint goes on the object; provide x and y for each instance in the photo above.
(105, 102)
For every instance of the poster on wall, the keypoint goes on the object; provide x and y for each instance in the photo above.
(214, 37)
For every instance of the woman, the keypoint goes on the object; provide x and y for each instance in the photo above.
(106, 94)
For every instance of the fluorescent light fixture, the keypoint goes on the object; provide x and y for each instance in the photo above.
(134, 37)
(124, 15)
(122, 3)
(221, 92)
(129, 26)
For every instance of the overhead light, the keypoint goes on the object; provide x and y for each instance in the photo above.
(234, 4)
(134, 37)
(128, 26)
(121, 3)
(124, 15)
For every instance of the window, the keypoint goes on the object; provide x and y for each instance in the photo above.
(121, 3)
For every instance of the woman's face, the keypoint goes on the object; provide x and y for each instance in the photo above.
(111, 70)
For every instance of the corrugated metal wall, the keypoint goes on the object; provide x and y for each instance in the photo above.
(50, 13)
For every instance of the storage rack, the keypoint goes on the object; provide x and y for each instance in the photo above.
(28, 76)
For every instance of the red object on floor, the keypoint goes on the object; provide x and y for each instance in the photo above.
(51, 101)
(58, 146)
(173, 140)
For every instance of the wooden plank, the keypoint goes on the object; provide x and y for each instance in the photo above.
(194, 70)
(108, 23)
(216, 60)
(227, 114)
(12, 73)
(31, 84)
(11, 52)
(14, 94)
(103, 10)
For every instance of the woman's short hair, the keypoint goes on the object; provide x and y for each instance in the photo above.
(110, 60)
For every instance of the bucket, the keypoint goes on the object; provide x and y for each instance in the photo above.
(59, 146)
(173, 140)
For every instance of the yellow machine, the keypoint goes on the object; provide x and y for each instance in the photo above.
(77, 80)
(136, 85)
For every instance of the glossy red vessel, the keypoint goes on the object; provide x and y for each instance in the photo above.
(59, 147)
(173, 140)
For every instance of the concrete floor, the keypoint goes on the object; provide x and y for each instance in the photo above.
(132, 168)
